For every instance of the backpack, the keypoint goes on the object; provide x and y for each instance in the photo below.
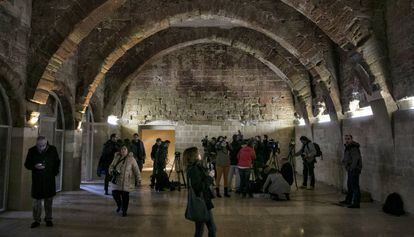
(394, 205)
(318, 150)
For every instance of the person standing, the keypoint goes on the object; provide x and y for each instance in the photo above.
(160, 164)
(266, 149)
(308, 153)
(155, 152)
(245, 158)
(222, 165)
(139, 151)
(352, 162)
(234, 171)
(125, 176)
(108, 152)
(43, 160)
(200, 182)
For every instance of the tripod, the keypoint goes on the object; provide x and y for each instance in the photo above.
(290, 157)
(178, 169)
(273, 161)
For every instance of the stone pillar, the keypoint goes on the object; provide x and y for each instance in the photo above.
(72, 160)
(19, 193)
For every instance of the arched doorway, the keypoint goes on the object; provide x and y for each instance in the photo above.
(87, 146)
(5, 137)
(52, 126)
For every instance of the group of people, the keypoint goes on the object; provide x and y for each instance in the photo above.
(122, 165)
(247, 160)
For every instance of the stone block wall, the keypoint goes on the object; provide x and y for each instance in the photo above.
(400, 33)
(387, 160)
(208, 83)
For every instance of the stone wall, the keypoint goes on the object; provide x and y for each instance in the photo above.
(387, 160)
(400, 32)
(208, 83)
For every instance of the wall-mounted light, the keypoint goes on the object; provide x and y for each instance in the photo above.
(33, 118)
(112, 119)
(79, 127)
(406, 103)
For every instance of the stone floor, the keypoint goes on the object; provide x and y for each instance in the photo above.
(310, 213)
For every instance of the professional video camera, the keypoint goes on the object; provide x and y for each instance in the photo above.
(274, 146)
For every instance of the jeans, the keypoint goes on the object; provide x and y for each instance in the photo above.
(37, 209)
(107, 180)
(354, 193)
(140, 163)
(122, 199)
(308, 170)
(244, 180)
(211, 226)
(234, 171)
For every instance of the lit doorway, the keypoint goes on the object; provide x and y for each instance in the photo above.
(149, 134)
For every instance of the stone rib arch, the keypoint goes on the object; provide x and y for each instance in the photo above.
(120, 87)
(44, 71)
(275, 19)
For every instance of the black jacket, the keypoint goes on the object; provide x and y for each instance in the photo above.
(43, 181)
(352, 158)
(108, 153)
(138, 149)
(200, 181)
(235, 148)
(155, 151)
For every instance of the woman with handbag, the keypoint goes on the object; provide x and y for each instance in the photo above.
(199, 193)
(125, 176)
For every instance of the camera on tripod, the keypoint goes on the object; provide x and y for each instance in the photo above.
(274, 146)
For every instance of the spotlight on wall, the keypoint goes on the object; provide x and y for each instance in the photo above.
(406, 103)
(362, 112)
(112, 119)
(325, 118)
(33, 118)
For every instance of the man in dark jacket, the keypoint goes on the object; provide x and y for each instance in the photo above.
(353, 164)
(43, 160)
(267, 150)
(139, 151)
(155, 152)
(108, 153)
(160, 163)
(235, 146)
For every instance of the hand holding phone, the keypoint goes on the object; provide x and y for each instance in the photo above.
(39, 166)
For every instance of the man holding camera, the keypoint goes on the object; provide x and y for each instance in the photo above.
(43, 160)
(308, 154)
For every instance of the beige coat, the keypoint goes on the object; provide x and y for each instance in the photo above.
(129, 173)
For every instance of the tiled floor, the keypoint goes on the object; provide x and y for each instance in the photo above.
(309, 213)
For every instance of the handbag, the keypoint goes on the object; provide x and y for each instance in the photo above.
(196, 207)
(115, 173)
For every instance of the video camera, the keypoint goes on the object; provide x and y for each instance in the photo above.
(274, 146)
(204, 142)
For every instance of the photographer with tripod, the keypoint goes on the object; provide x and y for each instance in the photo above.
(308, 153)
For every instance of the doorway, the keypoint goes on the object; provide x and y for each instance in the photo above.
(149, 135)
(5, 137)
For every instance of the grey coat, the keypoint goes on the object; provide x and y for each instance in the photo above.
(276, 184)
(129, 173)
(308, 150)
(223, 156)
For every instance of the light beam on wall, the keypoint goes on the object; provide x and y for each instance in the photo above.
(113, 120)
(325, 118)
(362, 112)
(34, 118)
(406, 103)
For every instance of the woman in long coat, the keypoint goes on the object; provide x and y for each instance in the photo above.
(125, 172)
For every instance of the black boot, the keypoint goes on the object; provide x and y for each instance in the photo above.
(226, 192)
(218, 193)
